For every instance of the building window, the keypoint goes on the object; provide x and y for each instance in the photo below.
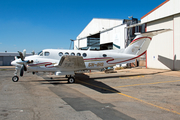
(60, 54)
(46, 53)
(84, 54)
(73, 54)
(78, 54)
(104, 55)
(66, 53)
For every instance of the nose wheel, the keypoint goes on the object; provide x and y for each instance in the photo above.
(15, 79)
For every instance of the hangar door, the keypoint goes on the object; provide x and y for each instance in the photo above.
(7, 60)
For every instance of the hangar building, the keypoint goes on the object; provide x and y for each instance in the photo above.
(164, 50)
(105, 34)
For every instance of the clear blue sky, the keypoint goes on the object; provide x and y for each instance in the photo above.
(40, 24)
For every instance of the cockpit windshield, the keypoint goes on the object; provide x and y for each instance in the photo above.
(40, 53)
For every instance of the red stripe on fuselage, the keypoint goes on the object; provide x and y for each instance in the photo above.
(98, 58)
(46, 64)
(125, 60)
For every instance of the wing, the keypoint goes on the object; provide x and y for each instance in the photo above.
(72, 63)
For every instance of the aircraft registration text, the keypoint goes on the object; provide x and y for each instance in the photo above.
(96, 65)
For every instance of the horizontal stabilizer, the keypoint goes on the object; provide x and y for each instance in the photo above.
(155, 32)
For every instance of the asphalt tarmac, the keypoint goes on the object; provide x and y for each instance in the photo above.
(142, 94)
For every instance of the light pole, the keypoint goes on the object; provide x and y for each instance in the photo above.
(71, 43)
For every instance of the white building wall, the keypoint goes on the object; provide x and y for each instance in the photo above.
(106, 37)
(96, 25)
(177, 41)
(82, 43)
(119, 36)
(161, 45)
(115, 35)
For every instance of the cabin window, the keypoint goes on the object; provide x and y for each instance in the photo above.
(84, 54)
(46, 53)
(60, 54)
(104, 55)
(73, 54)
(78, 54)
(66, 53)
(41, 54)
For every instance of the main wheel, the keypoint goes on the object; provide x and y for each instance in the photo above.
(71, 80)
(15, 79)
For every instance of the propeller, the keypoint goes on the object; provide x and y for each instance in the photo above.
(21, 56)
(24, 63)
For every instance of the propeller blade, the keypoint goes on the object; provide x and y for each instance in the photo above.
(25, 68)
(21, 56)
(24, 53)
(22, 71)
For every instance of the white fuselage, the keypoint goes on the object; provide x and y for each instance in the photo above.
(47, 60)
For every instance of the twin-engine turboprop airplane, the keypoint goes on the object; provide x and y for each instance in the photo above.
(68, 62)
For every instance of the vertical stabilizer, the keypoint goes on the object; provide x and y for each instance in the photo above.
(139, 45)
(141, 42)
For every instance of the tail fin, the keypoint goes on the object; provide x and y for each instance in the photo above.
(141, 42)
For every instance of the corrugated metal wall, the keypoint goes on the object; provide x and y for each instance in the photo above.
(6, 60)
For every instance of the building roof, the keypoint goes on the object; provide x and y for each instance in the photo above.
(12, 54)
(165, 9)
(155, 9)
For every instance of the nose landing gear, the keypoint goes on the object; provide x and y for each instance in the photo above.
(15, 78)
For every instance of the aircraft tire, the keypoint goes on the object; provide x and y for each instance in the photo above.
(15, 79)
(71, 80)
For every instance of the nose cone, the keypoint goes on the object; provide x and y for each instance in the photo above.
(14, 63)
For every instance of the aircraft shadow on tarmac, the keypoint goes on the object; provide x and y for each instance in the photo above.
(91, 83)
(82, 79)
(101, 87)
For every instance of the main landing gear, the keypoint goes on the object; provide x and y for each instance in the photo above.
(71, 79)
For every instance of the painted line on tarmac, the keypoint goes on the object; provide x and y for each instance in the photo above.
(142, 101)
(147, 83)
(150, 103)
